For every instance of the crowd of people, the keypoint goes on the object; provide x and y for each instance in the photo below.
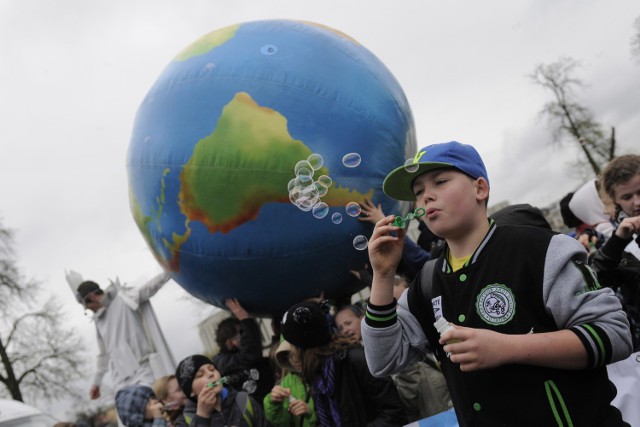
(319, 377)
(543, 327)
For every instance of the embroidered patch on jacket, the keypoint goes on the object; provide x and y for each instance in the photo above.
(591, 282)
(495, 304)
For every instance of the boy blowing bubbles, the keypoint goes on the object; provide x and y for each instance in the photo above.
(533, 328)
(138, 406)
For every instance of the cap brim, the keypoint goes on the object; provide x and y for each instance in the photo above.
(397, 184)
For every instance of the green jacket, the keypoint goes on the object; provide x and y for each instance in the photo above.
(278, 413)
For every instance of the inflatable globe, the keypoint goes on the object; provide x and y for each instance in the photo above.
(247, 151)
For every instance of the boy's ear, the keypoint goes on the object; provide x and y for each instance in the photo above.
(482, 189)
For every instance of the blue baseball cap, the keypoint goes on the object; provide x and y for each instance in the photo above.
(451, 154)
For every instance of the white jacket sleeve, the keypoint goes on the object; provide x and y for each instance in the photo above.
(389, 348)
(102, 361)
(149, 289)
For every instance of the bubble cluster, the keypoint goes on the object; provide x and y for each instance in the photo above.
(360, 242)
(304, 192)
(351, 160)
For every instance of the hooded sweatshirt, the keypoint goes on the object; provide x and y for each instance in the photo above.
(131, 402)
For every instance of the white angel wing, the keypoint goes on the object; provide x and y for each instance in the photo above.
(74, 279)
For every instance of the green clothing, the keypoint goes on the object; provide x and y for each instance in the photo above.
(278, 413)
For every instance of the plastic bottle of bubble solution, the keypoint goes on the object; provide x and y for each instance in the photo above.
(442, 325)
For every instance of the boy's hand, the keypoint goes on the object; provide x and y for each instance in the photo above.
(156, 409)
(385, 248)
(476, 348)
(208, 400)
(627, 227)
(485, 349)
(279, 394)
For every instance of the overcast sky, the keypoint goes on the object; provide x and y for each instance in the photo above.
(73, 73)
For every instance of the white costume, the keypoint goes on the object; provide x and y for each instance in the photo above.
(131, 344)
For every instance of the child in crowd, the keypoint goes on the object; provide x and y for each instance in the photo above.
(240, 343)
(168, 392)
(617, 263)
(289, 404)
(344, 391)
(347, 321)
(533, 329)
(211, 404)
(138, 406)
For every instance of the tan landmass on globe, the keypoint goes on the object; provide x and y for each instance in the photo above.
(207, 42)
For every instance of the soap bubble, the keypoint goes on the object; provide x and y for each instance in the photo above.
(309, 190)
(249, 386)
(360, 242)
(410, 167)
(303, 182)
(302, 164)
(320, 210)
(351, 160)
(322, 190)
(316, 161)
(305, 174)
(305, 204)
(325, 181)
(336, 218)
(353, 209)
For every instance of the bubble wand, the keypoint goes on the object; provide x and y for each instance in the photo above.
(403, 222)
(248, 377)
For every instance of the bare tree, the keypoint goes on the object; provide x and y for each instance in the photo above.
(39, 357)
(569, 118)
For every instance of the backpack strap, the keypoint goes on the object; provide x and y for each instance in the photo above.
(426, 279)
(246, 408)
